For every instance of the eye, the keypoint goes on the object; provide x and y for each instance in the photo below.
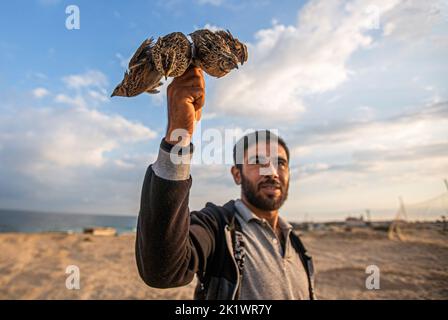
(282, 164)
(222, 65)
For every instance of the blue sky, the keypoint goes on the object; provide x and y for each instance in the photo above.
(357, 88)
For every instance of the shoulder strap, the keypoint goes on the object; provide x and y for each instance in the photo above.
(228, 217)
(307, 261)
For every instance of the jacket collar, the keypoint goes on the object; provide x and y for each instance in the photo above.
(247, 215)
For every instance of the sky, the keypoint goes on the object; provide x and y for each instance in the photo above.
(357, 89)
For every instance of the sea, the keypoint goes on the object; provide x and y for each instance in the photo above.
(30, 222)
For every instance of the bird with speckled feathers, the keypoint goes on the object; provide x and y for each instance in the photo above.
(142, 75)
(212, 54)
(238, 48)
(172, 54)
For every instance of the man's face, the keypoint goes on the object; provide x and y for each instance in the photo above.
(265, 176)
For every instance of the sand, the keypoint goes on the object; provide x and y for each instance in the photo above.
(32, 266)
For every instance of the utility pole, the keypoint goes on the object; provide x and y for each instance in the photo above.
(403, 209)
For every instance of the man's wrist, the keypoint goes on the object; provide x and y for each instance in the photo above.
(179, 137)
(173, 161)
(169, 147)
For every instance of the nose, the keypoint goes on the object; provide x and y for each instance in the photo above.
(269, 170)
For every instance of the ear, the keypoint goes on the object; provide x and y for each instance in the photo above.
(236, 174)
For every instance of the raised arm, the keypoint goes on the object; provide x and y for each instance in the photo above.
(171, 244)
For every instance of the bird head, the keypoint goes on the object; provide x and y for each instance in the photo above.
(228, 62)
(238, 48)
(119, 91)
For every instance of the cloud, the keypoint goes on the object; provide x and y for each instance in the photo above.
(290, 63)
(124, 62)
(67, 137)
(92, 78)
(211, 27)
(359, 164)
(74, 158)
(423, 124)
(84, 90)
(40, 93)
(52, 158)
(420, 152)
(99, 95)
(401, 21)
(65, 99)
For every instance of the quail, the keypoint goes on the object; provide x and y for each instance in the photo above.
(142, 75)
(172, 54)
(238, 48)
(212, 54)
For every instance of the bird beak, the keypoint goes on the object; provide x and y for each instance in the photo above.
(114, 93)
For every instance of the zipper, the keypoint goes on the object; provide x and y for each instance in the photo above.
(230, 249)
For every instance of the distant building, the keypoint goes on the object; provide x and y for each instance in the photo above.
(101, 231)
(353, 222)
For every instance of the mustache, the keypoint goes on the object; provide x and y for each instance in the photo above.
(270, 183)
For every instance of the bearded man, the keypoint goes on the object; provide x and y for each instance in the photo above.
(242, 250)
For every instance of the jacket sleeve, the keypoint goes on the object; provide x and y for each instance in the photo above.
(172, 244)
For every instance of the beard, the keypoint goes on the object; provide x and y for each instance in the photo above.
(261, 201)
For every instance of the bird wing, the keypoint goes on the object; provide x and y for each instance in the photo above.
(142, 54)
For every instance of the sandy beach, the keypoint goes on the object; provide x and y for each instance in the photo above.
(32, 266)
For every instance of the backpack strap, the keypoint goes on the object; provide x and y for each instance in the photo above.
(307, 261)
(239, 250)
(228, 216)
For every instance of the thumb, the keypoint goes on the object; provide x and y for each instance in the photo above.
(198, 97)
(198, 115)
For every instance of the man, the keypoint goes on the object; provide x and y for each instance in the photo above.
(242, 250)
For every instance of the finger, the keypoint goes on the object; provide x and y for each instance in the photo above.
(191, 71)
(186, 92)
(199, 102)
(193, 96)
(192, 83)
(199, 73)
(193, 80)
(192, 77)
(198, 114)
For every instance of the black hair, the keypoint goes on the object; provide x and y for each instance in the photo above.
(252, 138)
